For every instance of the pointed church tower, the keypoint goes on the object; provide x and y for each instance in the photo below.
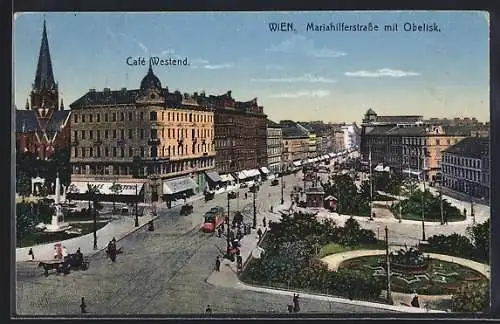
(45, 90)
(62, 105)
(27, 106)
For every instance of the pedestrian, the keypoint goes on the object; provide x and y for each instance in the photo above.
(415, 302)
(219, 231)
(30, 252)
(446, 219)
(246, 195)
(264, 221)
(269, 195)
(239, 262)
(271, 209)
(296, 306)
(259, 233)
(465, 213)
(208, 310)
(217, 264)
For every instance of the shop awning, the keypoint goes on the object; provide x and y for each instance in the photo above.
(253, 172)
(226, 177)
(174, 186)
(265, 170)
(379, 168)
(387, 169)
(213, 176)
(242, 175)
(104, 188)
(296, 163)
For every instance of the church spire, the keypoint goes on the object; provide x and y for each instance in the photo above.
(44, 78)
(62, 105)
(27, 106)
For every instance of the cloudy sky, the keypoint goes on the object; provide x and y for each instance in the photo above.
(299, 75)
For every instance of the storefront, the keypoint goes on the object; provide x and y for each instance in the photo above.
(126, 192)
(213, 179)
(178, 188)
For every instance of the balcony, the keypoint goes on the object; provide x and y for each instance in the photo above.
(154, 141)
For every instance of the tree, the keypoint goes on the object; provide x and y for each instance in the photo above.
(409, 187)
(23, 184)
(454, 244)
(26, 219)
(432, 206)
(472, 297)
(481, 240)
(116, 189)
(59, 163)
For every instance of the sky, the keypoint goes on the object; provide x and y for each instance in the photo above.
(334, 76)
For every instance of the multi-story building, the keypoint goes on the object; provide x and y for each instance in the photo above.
(44, 125)
(295, 144)
(339, 140)
(127, 136)
(465, 167)
(312, 140)
(274, 146)
(350, 136)
(240, 133)
(324, 136)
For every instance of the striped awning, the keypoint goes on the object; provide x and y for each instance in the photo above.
(242, 175)
(226, 177)
(177, 185)
(105, 188)
(265, 170)
(253, 172)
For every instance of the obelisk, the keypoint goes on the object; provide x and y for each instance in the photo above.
(58, 189)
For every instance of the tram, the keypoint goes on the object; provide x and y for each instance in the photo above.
(212, 219)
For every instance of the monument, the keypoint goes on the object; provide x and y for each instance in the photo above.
(55, 225)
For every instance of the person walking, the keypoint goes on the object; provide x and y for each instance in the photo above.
(208, 310)
(296, 306)
(264, 222)
(30, 252)
(246, 195)
(259, 233)
(239, 262)
(217, 264)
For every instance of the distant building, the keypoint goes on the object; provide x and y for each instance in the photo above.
(274, 146)
(312, 140)
(295, 144)
(466, 165)
(44, 125)
(324, 136)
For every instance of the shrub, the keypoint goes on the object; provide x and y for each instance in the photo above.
(472, 297)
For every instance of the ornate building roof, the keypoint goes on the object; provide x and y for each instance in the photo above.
(150, 81)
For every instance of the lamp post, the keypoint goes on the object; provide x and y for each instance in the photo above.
(227, 222)
(423, 193)
(472, 205)
(254, 225)
(282, 174)
(154, 199)
(388, 261)
(441, 197)
(136, 207)
(91, 189)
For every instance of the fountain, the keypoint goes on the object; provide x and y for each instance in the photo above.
(409, 261)
(55, 226)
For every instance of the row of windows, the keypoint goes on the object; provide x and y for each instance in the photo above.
(153, 133)
(463, 173)
(153, 116)
(462, 161)
(164, 151)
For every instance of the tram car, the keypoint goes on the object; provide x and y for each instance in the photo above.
(212, 219)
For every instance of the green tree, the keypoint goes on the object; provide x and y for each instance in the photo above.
(23, 184)
(59, 163)
(472, 297)
(481, 240)
(116, 189)
(454, 244)
(410, 185)
(26, 219)
(432, 207)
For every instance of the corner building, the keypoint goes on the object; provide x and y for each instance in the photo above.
(130, 136)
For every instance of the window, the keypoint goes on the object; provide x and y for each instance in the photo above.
(83, 135)
(154, 151)
(76, 152)
(141, 115)
(83, 118)
(122, 152)
(106, 134)
(437, 142)
(114, 151)
(98, 151)
(162, 132)
(130, 151)
(114, 133)
(168, 133)
(106, 117)
(106, 151)
(130, 134)
(162, 115)
(91, 134)
(130, 116)
(177, 116)
(122, 134)
(141, 132)
(90, 118)
(75, 135)
(168, 116)
(114, 117)
(83, 152)
(142, 151)
(91, 152)
(193, 135)
(152, 115)
(154, 133)
(98, 117)
(75, 119)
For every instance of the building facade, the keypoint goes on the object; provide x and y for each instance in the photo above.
(274, 146)
(129, 135)
(240, 133)
(312, 140)
(295, 144)
(44, 125)
(339, 139)
(465, 167)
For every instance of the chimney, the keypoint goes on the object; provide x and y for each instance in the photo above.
(107, 90)
(124, 89)
(92, 90)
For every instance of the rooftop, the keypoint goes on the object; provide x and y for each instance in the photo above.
(473, 147)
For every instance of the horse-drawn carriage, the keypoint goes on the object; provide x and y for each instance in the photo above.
(186, 210)
(71, 261)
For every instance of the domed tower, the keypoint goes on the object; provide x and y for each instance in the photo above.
(370, 116)
(151, 91)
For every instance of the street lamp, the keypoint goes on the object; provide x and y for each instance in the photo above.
(388, 261)
(136, 207)
(282, 174)
(423, 193)
(154, 198)
(92, 190)
(254, 226)
(227, 222)
(472, 204)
